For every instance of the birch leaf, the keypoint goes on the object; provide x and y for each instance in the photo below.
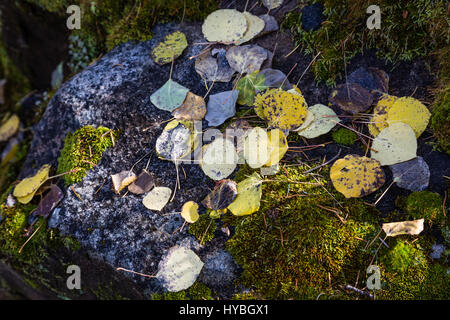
(172, 46)
(247, 58)
(157, 198)
(413, 227)
(170, 96)
(325, 119)
(249, 195)
(219, 159)
(26, 188)
(189, 212)
(9, 128)
(248, 86)
(224, 25)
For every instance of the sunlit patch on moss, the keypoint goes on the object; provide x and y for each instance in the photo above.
(425, 204)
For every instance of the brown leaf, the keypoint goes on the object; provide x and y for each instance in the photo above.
(49, 202)
(143, 184)
(351, 97)
(193, 108)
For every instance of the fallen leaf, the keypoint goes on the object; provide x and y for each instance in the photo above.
(355, 176)
(325, 119)
(157, 198)
(413, 227)
(276, 79)
(372, 79)
(221, 106)
(277, 147)
(308, 120)
(272, 4)
(219, 159)
(176, 140)
(254, 27)
(248, 86)
(247, 58)
(224, 25)
(222, 196)
(193, 108)
(281, 109)
(143, 184)
(256, 148)
(249, 196)
(9, 128)
(351, 97)
(122, 179)
(394, 144)
(214, 69)
(170, 96)
(189, 212)
(270, 24)
(380, 112)
(26, 188)
(171, 48)
(236, 132)
(413, 175)
(49, 202)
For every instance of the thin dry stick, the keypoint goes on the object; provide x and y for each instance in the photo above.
(64, 173)
(184, 12)
(292, 51)
(309, 65)
(246, 4)
(138, 273)
(385, 191)
(443, 203)
(324, 164)
(207, 228)
(285, 78)
(21, 248)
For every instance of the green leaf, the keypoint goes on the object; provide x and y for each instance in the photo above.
(172, 47)
(170, 96)
(248, 86)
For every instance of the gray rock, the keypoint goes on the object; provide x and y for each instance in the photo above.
(219, 271)
(413, 175)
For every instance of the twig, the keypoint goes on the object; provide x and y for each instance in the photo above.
(285, 78)
(21, 248)
(324, 164)
(361, 292)
(207, 228)
(138, 273)
(309, 65)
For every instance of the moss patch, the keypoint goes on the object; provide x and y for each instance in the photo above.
(344, 136)
(440, 120)
(425, 204)
(203, 229)
(82, 150)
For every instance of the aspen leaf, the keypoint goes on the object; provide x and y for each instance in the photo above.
(193, 108)
(281, 109)
(224, 25)
(325, 119)
(49, 202)
(157, 198)
(394, 144)
(249, 196)
(270, 24)
(410, 111)
(222, 195)
(172, 46)
(254, 27)
(247, 58)
(170, 96)
(248, 86)
(413, 175)
(355, 176)
(272, 4)
(351, 97)
(276, 79)
(380, 112)
(413, 227)
(277, 147)
(308, 120)
(213, 68)
(26, 188)
(143, 184)
(176, 140)
(221, 106)
(189, 212)
(9, 128)
(122, 179)
(219, 159)
(256, 148)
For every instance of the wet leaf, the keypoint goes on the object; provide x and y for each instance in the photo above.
(276, 79)
(176, 140)
(413, 227)
(249, 196)
(189, 212)
(214, 69)
(221, 106)
(413, 175)
(281, 109)
(9, 128)
(247, 58)
(351, 97)
(49, 202)
(256, 148)
(248, 86)
(193, 108)
(219, 159)
(380, 112)
(222, 195)
(157, 198)
(143, 184)
(325, 119)
(224, 25)
(410, 111)
(26, 188)
(170, 96)
(277, 147)
(254, 27)
(272, 4)
(394, 144)
(122, 179)
(355, 176)
(172, 46)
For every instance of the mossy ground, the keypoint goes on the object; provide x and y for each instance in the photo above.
(198, 291)
(425, 204)
(203, 229)
(344, 136)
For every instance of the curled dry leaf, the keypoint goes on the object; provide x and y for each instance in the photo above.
(351, 97)
(256, 148)
(248, 86)
(355, 176)
(193, 108)
(222, 195)
(157, 198)
(213, 68)
(170, 96)
(122, 180)
(221, 106)
(171, 48)
(413, 175)
(394, 144)
(219, 159)
(9, 128)
(325, 119)
(254, 27)
(224, 25)
(249, 195)
(281, 109)
(143, 184)
(189, 212)
(176, 140)
(26, 188)
(247, 58)
(413, 227)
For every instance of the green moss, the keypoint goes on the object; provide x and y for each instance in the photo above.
(198, 291)
(180, 295)
(403, 256)
(291, 246)
(82, 150)
(425, 204)
(440, 120)
(344, 136)
(203, 229)
(343, 34)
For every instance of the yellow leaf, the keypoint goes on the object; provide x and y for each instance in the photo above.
(309, 119)
(26, 189)
(256, 144)
(355, 176)
(9, 128)
(157, 198)
(249, 196)
(224, 25)
(171, 48)
(122, 179)
(254, 26)
(413, 227)
(380, 113)
(189, 212)
(394, 144)
(278, 146)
